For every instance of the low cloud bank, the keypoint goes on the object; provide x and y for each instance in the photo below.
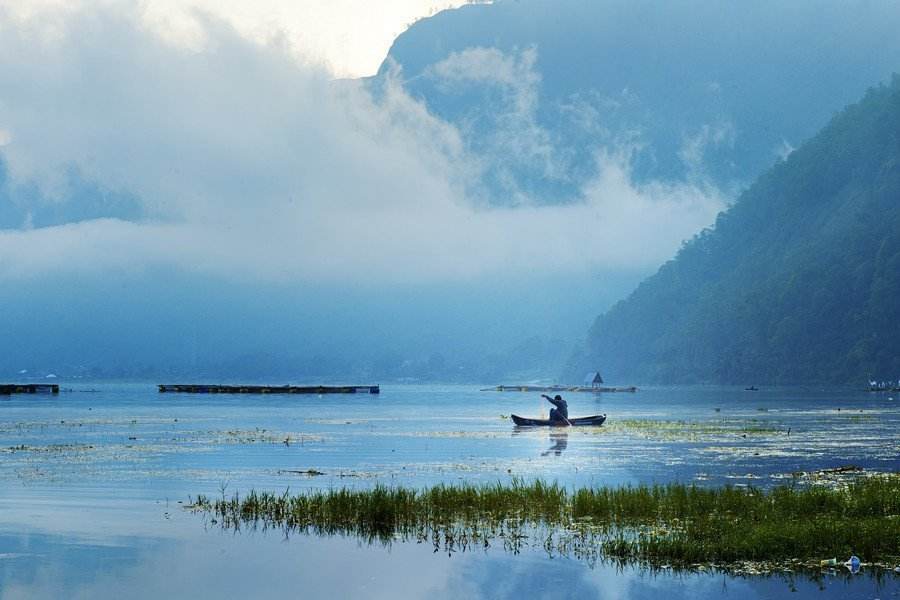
(251, 165)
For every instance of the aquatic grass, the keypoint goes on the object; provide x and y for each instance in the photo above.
(659, 524)
(693, 430)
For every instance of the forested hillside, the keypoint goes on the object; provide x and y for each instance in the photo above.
(715, 91)
(798, 282)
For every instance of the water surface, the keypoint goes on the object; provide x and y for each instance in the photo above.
(92, 484)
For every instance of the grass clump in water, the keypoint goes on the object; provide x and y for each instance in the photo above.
(662, 524)
(692, 430)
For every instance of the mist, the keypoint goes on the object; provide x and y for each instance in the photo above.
(252, 206)
(227, 207)
(323, 181)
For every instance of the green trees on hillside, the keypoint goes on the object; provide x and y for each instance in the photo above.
(799, 281)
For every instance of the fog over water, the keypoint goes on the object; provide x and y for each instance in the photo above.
(241, 177)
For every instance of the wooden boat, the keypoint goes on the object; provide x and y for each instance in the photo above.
(595, 420)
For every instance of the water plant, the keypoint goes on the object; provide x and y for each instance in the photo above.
(701, 430)
(660, 524)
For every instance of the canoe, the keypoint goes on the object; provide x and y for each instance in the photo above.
(595, 420)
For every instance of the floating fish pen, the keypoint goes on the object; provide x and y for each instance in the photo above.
(558, 388)
(7, 389)
(268, 389)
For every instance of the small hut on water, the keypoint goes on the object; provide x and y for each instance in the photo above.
(593, 379)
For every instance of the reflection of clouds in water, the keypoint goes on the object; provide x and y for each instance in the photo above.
(116, 550)
(536, 576)
(213, 565)
(83, 518)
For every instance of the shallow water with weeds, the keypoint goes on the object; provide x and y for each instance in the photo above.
(93, 484)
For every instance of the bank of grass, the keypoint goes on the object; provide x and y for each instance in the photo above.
(663, 524)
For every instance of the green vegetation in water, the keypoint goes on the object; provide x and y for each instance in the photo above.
(657, 525)
(672, 430)
(862, 418)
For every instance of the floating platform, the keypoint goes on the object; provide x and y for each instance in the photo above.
(28, 388)
(558, 388)
(268, 389)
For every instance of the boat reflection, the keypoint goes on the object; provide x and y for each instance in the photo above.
(558, 438)
(560, 441)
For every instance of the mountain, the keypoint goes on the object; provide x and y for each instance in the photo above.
(702, 96)
(798, 282)
(712, 91)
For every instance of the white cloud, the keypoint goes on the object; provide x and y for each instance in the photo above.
(349, 37)
(492, 66)
(784, 149)
(710, 135)
(251, 164)
(510, 136)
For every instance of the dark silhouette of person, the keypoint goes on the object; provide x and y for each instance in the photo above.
(560, 414)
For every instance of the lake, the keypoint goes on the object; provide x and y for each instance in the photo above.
(93, 483)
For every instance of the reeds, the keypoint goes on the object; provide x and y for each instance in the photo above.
(662, 524)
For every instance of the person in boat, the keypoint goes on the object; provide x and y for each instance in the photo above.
(560, 414)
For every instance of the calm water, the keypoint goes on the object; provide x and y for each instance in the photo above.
(91, 483)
